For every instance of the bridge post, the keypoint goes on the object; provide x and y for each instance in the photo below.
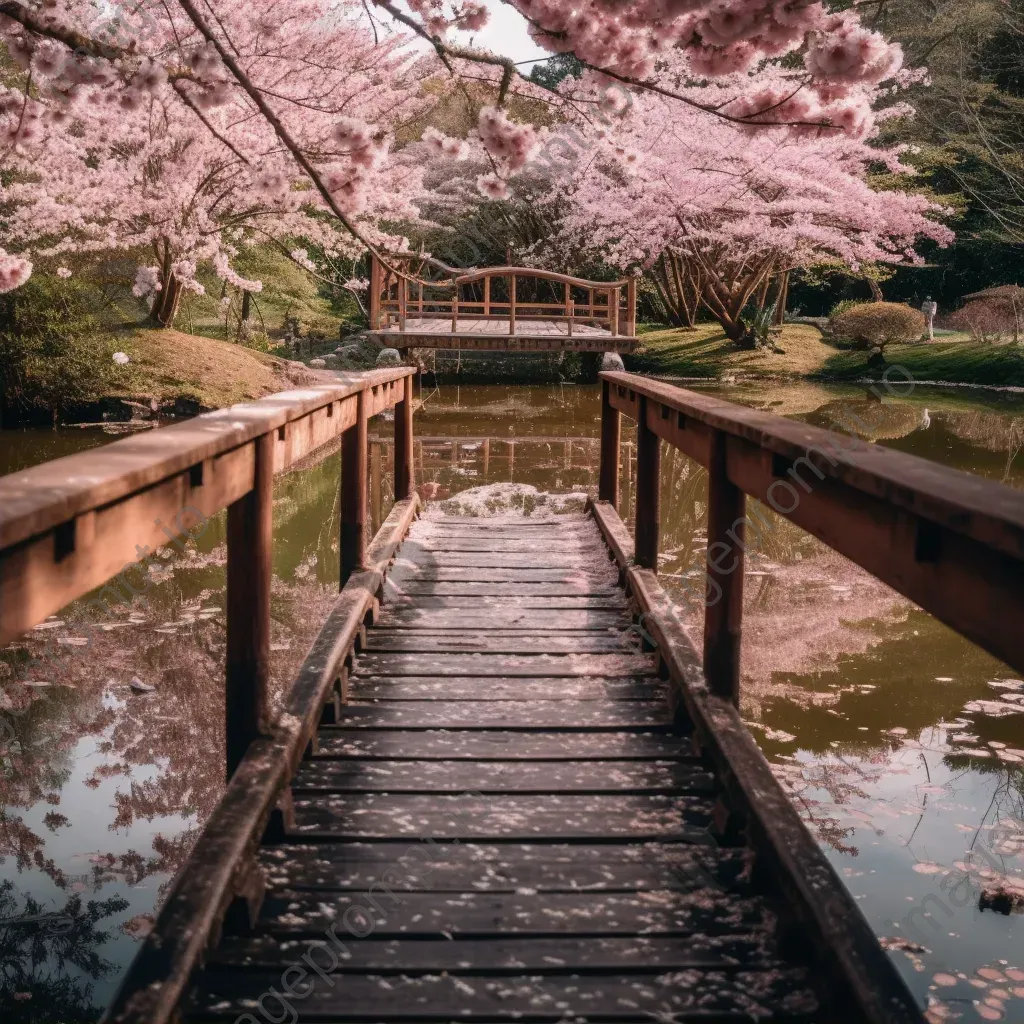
(512, 305)
(611, 436)
(613, 311)
(631, 307)
(723, 606)
(247, 671)
(353, 493)
(648, 480)
(404, 479)
(374, 292)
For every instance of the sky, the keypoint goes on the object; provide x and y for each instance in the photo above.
(505, 34)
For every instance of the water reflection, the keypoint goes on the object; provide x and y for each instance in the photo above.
(900, 742)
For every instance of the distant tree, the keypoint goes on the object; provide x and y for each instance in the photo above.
(552, 72)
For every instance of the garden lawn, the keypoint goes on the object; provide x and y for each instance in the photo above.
(706, 352)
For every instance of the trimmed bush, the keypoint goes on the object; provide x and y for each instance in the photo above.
(841, 307)
(877, 324)
(989, 320)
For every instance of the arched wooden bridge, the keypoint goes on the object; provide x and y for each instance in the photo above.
(505, 786)
(509, 309)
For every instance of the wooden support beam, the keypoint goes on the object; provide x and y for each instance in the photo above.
(648, 483)
(613, 311)
(404, 479)
(374, 292)
(631, 307)
(487, 296)
(353, 493)
(723, 604)
(512, 304)
(611, 437)
(403, 287)
(249, 572)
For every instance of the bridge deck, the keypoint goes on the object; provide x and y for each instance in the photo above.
(493, 334)
(502, 710)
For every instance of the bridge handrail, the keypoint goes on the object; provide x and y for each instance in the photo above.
(611, 311)
(950, 541)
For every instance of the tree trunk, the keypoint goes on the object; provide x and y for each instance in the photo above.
(246, 305)
(165, 305)
(678, 285)
(876, 291)
(781, 298)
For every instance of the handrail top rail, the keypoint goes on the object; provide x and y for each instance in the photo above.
(35, 500)
(478, 273)
(547, 275)
(989, 513)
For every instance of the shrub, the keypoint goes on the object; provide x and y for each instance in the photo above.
(54, 354)
(988, 320)
(841, 307)
(877, 324)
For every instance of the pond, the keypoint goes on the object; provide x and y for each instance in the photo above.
(901, 744)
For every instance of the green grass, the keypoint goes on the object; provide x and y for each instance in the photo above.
(949, 362)
(706, 352)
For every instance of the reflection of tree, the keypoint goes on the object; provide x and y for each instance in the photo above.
(35, 957)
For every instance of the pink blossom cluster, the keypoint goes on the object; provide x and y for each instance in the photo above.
(440, 144)
(725, 196)
(718, 37)
(14, 271)
(169, 154)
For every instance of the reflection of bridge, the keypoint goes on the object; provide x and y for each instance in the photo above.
(503, 768)
(510, 309)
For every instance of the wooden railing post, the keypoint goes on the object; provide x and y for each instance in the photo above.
(512, 304)
(403, 288)
(487, 296)
(353, 493)
(249, 570)
(374, 292)
(648, 480)
(631, 307)
(723, 606)
(611, 436)
(613, 311)
(404, 479)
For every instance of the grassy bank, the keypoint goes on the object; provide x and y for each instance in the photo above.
(706, 352)
(167, 365)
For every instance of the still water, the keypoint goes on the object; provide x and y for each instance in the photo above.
(902, 745)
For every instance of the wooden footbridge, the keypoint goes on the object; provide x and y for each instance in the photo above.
(508, 309)
(505, 786)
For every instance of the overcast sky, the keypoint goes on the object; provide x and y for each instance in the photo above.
(505, 34)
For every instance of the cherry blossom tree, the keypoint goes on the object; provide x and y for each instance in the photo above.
(720, 209)
(180, 166)
(271, 70)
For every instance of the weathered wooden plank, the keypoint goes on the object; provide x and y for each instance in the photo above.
(485, 915)
(509, 956)
(509, 616)
(697, 995)
(609, 600)
(575, 588)
(416, 688)
(442, 573)
(508, 867)
(380, 663)
(510, 746)
(637, 777)
(540, 559)
(504, 714)
(501, 642)
(509, 543)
